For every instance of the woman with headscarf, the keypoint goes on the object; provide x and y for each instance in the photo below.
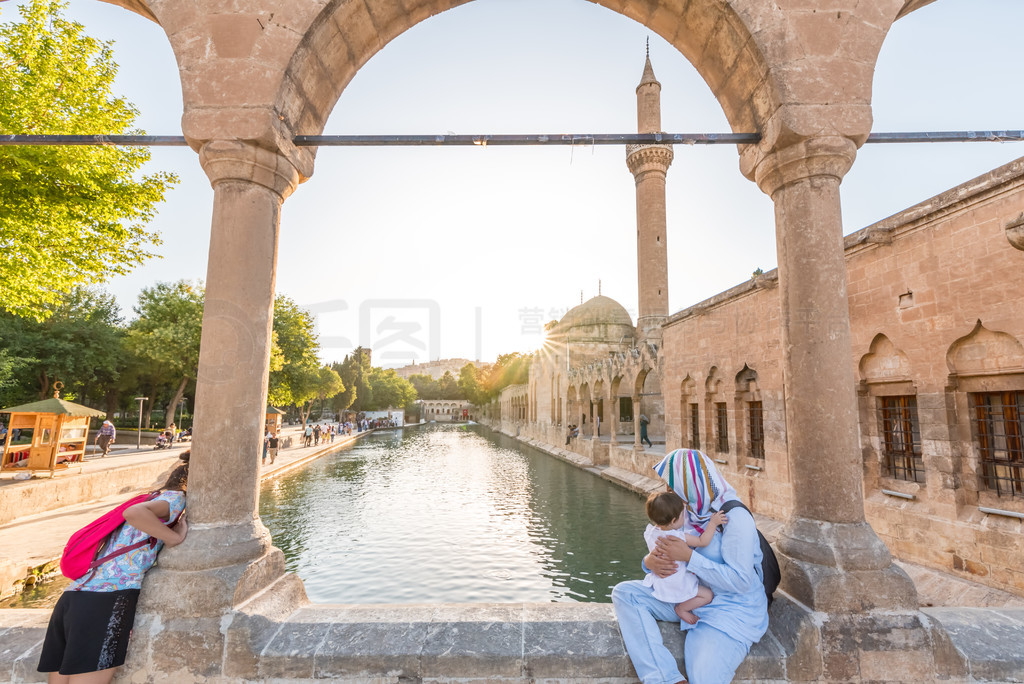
(730, 566)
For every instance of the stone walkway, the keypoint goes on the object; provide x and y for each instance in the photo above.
(35, 540)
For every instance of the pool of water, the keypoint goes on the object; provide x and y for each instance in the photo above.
(444, 514)
(452, 514)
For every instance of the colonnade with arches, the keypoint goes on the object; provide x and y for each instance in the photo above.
(254, 76)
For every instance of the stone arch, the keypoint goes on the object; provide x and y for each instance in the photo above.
(714, 35)
(600, 406)
(884, 362)
(689, 412)
(712, 384)
(748, 418)
(746, 376)
(985, 352)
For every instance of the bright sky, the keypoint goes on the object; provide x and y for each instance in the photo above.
(405, 249)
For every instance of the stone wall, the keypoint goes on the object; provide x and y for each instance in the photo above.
(935, 316)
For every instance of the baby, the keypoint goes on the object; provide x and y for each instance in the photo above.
(666, 511)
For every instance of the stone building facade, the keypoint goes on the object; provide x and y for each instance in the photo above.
(939, 365)
(446, 410)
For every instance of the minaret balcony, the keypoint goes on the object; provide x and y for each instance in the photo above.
(648, 157)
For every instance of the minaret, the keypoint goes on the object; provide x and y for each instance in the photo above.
(649, 164)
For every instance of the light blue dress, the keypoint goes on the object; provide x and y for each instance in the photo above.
(727, 627)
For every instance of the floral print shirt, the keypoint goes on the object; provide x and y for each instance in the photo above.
(127, 570)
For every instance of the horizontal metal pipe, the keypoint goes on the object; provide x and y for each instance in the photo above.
(524, 140)
(120, 140)
(553, 139)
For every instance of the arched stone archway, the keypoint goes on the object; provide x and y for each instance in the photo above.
(253, 77)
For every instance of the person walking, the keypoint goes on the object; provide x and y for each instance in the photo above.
(272, 442)
(106, 437)
(644, 420)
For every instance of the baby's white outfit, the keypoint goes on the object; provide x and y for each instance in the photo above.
(677, 587)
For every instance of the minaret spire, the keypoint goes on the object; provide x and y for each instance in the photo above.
(649, 165)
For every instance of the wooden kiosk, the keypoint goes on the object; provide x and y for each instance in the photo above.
(273, 423)
(46, 435)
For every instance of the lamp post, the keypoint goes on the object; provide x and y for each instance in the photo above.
(138, 434)
(181, 415)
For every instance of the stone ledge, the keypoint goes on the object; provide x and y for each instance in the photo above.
(543, 642)
(989, 641)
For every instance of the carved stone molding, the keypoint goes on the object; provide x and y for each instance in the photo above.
(825, 156)
(240, 160)
(644, 158)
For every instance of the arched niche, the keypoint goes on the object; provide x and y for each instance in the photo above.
(746, 380)
(884, 363)
(985, 353)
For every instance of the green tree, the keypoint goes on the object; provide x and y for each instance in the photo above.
(509, 369)
(78, 342)
(348, 369)
(390, 390)
(69, 215)
(166, 335)
(449, 387)
(294, 358)
(426, 386)
(469, 383)
(311, 384)
(362, 363)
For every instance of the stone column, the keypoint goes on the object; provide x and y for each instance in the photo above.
(613, 417)
(833, 561)
(227, 557)
(637, 446)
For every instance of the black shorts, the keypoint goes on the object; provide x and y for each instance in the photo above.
(88, 631)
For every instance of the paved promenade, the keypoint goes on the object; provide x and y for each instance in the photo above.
(33, 540)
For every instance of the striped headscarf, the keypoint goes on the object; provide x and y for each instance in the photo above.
(695, 478)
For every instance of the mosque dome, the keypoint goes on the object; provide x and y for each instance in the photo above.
(597, 319)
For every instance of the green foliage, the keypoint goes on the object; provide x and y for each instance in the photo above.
(426, 387)
(79, 342)
(294, 364)
(390, 390)
(469, 384)
(349, 370)
(509, 369)
(71, 215)
(309, 384)
(167, 332)
(362, 367)
(165, 337)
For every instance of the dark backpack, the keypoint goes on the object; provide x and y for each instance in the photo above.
(769, 563)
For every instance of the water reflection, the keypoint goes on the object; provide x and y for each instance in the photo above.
(452, 514)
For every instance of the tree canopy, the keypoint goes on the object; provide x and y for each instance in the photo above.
(79, 343)
(294, 360)
(167, 334)
(69, 215)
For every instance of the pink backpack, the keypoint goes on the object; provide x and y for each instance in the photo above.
(80, 552)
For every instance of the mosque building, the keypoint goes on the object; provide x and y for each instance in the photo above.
(938, 355)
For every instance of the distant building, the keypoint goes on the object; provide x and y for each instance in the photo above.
(446, 410)
(435, 369)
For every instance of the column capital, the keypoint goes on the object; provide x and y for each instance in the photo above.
(809, 158)
(244, 160)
